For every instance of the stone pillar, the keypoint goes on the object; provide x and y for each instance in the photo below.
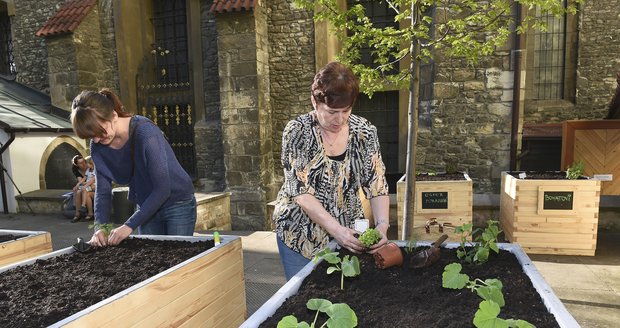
(245, 115)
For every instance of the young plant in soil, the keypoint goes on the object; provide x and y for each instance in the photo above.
(575, 171)
(370, 237)
(410, 247)
(490, 290)
(105, 227)
(348, 266)
(340, 315)
(479, 251)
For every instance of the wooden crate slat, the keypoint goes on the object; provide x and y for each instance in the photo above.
(558, 251)
(232, 315)
(556, 227)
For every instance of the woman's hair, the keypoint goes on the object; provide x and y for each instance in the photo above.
(74, 167)
(90, 107)
(75, 159)
(335, 85)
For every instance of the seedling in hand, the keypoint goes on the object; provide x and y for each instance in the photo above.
(105, 227)
(370, 237)
(348, 266)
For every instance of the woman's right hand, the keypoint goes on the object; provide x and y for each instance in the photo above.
(99, 239)
(347, 238)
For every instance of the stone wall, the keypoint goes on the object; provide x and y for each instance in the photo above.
(599, 57)
(109, 71)
(470, 120)
(30, 50)
(241, 126)
(213, 211)
(208, 132)
(292, 68)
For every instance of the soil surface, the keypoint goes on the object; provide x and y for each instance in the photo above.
(47, 291)
(548, 175)
(440, 177)
(9, 237)
(403, 297)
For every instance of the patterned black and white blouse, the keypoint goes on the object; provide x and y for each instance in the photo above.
(335, 183)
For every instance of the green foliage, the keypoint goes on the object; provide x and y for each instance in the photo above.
(340, 315)
(370, 237)
(348, 266)
(451, 166)
(575, 171)
(484, 242)
(466, 29)
(490, 290)
(105, 227)
(410, 247)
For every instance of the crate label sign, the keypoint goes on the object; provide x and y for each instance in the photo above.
(558, 200)
(435, 200)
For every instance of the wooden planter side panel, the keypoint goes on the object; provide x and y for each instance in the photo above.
(209, 291)
(550, 232)
(25, 248)
(460, 203)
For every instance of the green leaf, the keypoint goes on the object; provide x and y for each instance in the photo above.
(486, 316)
(318, 304)
(291, 322)
(332, 269)
(453, 278)
(482, 255)
(351, 268)
(341, 316)
(491, 293)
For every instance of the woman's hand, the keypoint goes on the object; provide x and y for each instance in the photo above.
(347, 238)
(99, 239)
(382, 228)
(119, 234)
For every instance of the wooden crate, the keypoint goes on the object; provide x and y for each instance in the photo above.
(207, 290)
(34, 243)
(550, 216)
(458, 195)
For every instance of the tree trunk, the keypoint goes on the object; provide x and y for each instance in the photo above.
(412, 131)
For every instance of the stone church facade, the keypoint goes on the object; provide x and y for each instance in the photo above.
(223, 77)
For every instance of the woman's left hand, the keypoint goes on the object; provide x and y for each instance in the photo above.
(119, 234)
(382, 228)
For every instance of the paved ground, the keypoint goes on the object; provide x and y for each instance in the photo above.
(589, 287)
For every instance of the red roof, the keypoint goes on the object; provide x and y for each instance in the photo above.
(67, 18)
(222, 6)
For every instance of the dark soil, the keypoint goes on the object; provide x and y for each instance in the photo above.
(440, 177)
(9, 237)
(402, 297)
(548, 175)
(48, 291)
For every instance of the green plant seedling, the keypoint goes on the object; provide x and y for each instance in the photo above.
(370, 237)
(487, 313)
(410, 247)
(348, 266)
(575, 171)
(105, 227)
(486, 241)
(489, 289)
(340, 315)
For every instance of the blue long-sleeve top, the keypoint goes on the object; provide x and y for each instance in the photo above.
(158, 179)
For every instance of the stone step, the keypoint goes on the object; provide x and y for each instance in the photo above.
(42, 201)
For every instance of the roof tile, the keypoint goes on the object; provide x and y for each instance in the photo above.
(223, 6)
(67, 18)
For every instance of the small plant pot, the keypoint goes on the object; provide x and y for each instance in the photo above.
(388, 255)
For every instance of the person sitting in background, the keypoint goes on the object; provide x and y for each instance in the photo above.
(81, 200)
(88, 188)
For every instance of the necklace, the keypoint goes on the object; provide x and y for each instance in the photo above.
(330, 143)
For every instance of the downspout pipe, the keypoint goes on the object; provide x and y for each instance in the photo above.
(5, 201)
(516, 91)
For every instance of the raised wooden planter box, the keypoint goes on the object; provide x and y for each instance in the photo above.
(550, 300)
(448, 201)
(207, 290)
(34, 243)
(550, 216)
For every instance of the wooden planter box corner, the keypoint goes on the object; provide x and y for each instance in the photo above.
(550, 216)
(35, 243)
(456, 210)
